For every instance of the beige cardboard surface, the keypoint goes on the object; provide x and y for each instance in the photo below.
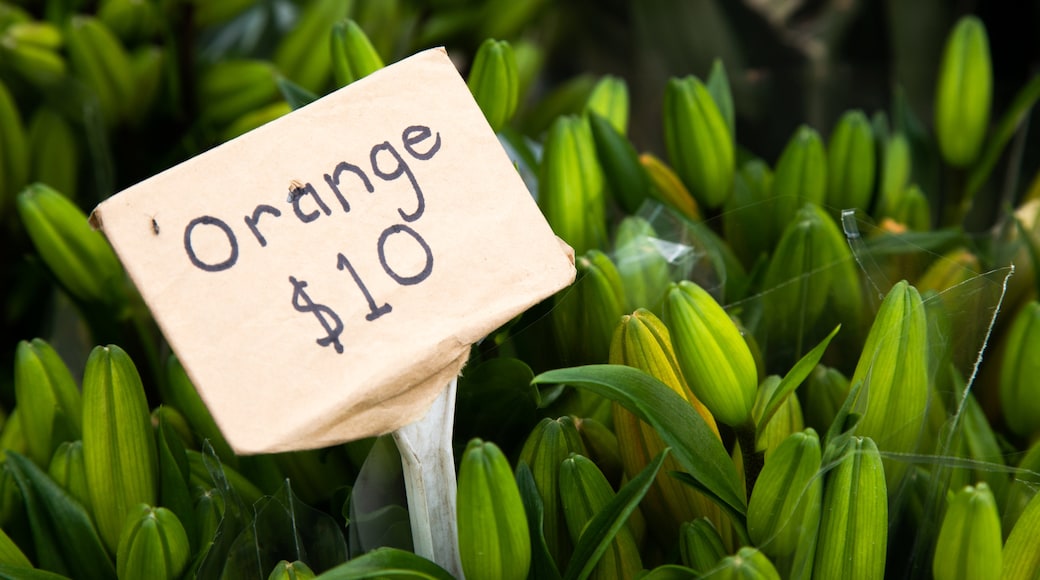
(411, 199)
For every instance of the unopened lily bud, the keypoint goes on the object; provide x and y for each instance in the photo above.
(587, 312)
(910, 209)
(286, 570)
(550, 442)
(700, 545)
(584, 492)
(1019, 391)
(494, 82)
(824, 392)
(893, 368)
(641, 263)
(153, 544)
(68, 470)
(79, 257)
(784, 508)
(853, 535)
(698, 141)
(747, 564)
(786, 420)
(970, 543)
(748, 218)
(609, 100)
(48, 399)
(1022, 549)
(718, 86)
(800, 176)
(571, 186)
(850, 163)
(667, 188)
(895, 170)
(712, 354)
(626, 178)
(963, 93)
(494, 541)
(118, 443)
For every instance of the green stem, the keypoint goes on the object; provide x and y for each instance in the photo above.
(753, 459)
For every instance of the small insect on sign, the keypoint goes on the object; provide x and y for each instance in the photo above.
(323, 277)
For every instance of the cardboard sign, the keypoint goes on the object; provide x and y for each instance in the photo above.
(323, 277)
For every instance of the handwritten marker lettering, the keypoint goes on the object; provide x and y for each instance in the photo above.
(302, 301)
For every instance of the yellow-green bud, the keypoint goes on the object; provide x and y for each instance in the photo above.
(641, 263)
(747, 564)
(1022, 549)
(68, 469)
(800, 176)
(667, 188)
(850, 163)
(712, 354)
(494, 541)
(698, 141)
(970, 543)
(1019, 391)
(353, 56)
(853, 535)
(785, 504)
(494, 82)
(700, 545)
(153, 544)
(587, 312)
(118, 444)
(748, 220)
(286, 570)
(609, 99)
(963, 93)
(571, 186)
(48, 399)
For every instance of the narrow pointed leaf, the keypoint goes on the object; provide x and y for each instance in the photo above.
(794, 377)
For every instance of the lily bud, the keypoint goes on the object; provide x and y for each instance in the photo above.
(1019, 393)
(850, 163)
(609, 100)
(494, 540)
(546, 447)
(895, 171)
(584, 492)
(79, 257)
(969, 544)
(748, 220)
(712, 354)
(800, 176)
(48, 399)
(641, 263)
(700, 545)
(698, 141)
(893, 367)
(667, 188)
(824, 392)
(118, 444)
(1022, 549)
(853, 535)
(353, 56)
(587, 312)
(571, 186)
(153, 544)
(785, 504)
(963, 93)
(786, 420)
(642, 341)
(748, 564)
(69, 470)
(286, 570)
(494, 82)
(910, 209)
(626, 178)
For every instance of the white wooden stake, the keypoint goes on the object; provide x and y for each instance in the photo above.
(429, 476)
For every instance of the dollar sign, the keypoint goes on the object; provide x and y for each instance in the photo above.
(303, 303)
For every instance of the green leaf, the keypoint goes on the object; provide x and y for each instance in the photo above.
(542, 564)
(696, 447)
(387, 563)
(297, 96)
(670, 572)
(174, 472)
(840, 430)
(1005, 129)
(794, 377)
(605, 525)
(66, 540)
(8, 572)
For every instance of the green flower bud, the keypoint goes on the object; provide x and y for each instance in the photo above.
(118, 444)
(1022, 549)
(748, 564)
(969, 544)
(893, 368)
(641, 263)
(48, 399)
(54, 152)
(79, 257)
(823, 394)
(1023, 487)
(785, 504)
(712, 354)
(787, 418)
(963, 93)
(850, 163)
(353, 56)
(494, 540)
(642, 341)
(700, 545)
(291, 571)
(1019, 392)
(718, 86)
(895, 170)
(909, 208)
(609, 100)
(584, 492)
(667, 188)
(699, 143)
(494, 83)
(976, 441)
(748, 220)
(811, 272)
(853, 535)
(209, 511)
(69, 470)
(602, 445)
(571, 186)
(626, 178)
(800, 176)
(153, 544)
(587, 312)
(550, 442)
